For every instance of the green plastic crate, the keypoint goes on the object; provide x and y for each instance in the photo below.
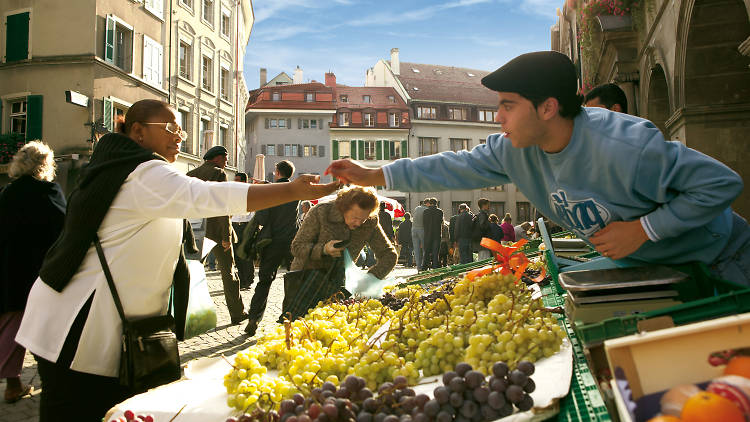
(442, 273)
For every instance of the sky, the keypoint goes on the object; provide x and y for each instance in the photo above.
(347, 37)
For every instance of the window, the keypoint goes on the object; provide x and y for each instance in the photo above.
(224, 81)
(313, 124)
(118, 40)
(18, 117)
(208, 12)
(273, 123)
(523, 212)
(186, 60)
(153, 62)
(427, 146)
(344, 98)
(369, 150)
(487, 115)
(500, 188)
(366, 99)
(391, 99)
(226, 22)
(497, 208)
(309, 97)
(270, 150)
(208, 136)
(276, 96)
(343, 119)
(183, 119)
(288, 150)
(483, 141)
(397, 150)
(426, 112)
(458, 113)
(223, 133)
(282, 123)
(308, 123)
(306, 151)
(459, 144)
(17, 37)
(369, 119)
(187, 3)
(207, 69)
(393, 119)
(156, 7)
(345, 150)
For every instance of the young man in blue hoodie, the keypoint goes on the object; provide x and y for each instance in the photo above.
(609, 177)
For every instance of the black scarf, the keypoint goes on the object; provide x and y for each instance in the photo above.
(114, 158)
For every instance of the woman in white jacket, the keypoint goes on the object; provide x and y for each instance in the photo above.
(135, 202)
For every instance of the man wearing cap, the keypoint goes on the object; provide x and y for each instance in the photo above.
(220, 231)
(610, 177)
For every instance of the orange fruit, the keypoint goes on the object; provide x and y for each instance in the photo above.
(665, 418)
(710, 407)
(738, 365)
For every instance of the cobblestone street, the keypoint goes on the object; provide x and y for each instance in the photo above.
(226, 339)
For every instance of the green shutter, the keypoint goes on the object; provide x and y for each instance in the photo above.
(387, 145)
(109, 40)
(34, 117)
(378, 150)
(361, 149)
(353, 150)
(17, 37)
(404, 152)
(335, 150)
(1, 117)
(107, 115)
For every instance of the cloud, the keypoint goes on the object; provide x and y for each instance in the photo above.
(412, 15)
(273, 7)
(546, 8)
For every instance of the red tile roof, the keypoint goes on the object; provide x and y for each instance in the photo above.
(446, 83)
(292, 97)
(378, 98)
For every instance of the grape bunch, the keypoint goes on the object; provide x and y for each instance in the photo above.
(258, 415)
(129, 416)
(391, 301)
(327, 403)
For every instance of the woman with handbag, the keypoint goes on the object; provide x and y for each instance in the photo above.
(349, 222)
(104, 287)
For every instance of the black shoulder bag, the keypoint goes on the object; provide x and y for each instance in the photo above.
(150, 357)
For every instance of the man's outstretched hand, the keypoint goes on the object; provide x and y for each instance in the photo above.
(619, 239)
(307, 186)
(348, 171)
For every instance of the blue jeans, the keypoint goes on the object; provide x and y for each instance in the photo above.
(733, 263)
(417, 240)
(465, 252)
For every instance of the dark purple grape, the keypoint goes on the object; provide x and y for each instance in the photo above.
(461, 418)
(303, 418)
(441, 394)
(364, 394)
(379, 417)
(407, 403)
(526, 367)
(364, 417)
(456, 399)
(229, 419)
(421, 399)
(498, 384)
(246, 418)
(500, 369)
(343, 392)
(313, 411)
(530, 386)
(331, 411)
(420, 417)
(391, 418)
(444, 417)
(409, 392)
(298, 399)
(327, 394)
(341, 403)
(291, 419)
(506, 410)
(469, 409)
(458, 384)
(385, 387)
(431, 408)
(469, 395)
(474, 379)
(405, 418)
(351, 383)
(514, 393)
(477, 416)
(462, 368)
(362, 383)
(526, 403)
(287, 406)
(300, 409)
(448, 408)
(329, 386)
(388, 399)
(496, 400)
(322, 417)
(284, 417)
(489, 413)
(370, 405)
(518, 378)
(481, 394)
(315, 393)
(448, 376)
(400, 382)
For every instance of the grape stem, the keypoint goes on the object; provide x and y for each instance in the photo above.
(178, 412)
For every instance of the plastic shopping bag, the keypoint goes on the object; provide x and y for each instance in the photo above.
(201, 312)
(362, 283)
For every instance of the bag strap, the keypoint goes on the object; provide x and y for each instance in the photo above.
(110, 282)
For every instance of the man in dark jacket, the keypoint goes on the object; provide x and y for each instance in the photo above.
(386, 222)
(464, 228)
(433, 222)
(482, 227)
(279, 225)
(404, 239)
(220, 231)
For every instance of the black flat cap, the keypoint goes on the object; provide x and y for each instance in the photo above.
(214, 151)
(541, 73)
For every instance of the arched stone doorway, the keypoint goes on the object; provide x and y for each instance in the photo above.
(713, 83)
(658, 99)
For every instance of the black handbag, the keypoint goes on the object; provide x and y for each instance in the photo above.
(150, 356)
(305, 288)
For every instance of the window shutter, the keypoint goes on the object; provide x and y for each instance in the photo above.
(320, 123)
(263, 149)
(148, 55)
(156, 7)
(361, 150)
(157, 64)
(1, 116)
(266, 123)
(280, 150)
(288, 123)
(378, 150)
(353, 150)
(107, 115)
(404, 152)
(34, 117)
(299, 123)
(17, 37)
(299, 150)
(334, 150)
(109, 41)
(387, 145)
(322, 151)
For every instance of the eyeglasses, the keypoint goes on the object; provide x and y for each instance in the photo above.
(171, 127)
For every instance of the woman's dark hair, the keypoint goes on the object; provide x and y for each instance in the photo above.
(493, 218)
(407, 216)
(141, 112)
(242, 176)
(569, 107)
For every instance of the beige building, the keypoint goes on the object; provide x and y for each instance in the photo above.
(108, 55)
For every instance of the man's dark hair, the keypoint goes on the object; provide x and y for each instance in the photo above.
(569, 107)
(463, 207)
(242, 176)
(407, 216)
(609, 95)
(434, 201)
(482, 202)
(382, 206)
(285, 169)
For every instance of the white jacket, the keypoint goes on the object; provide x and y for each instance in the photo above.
(141, 235)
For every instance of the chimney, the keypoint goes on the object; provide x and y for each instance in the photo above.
(370, 78)
(331, 79)
(395, 65)
(263, 77)
(298, 76)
